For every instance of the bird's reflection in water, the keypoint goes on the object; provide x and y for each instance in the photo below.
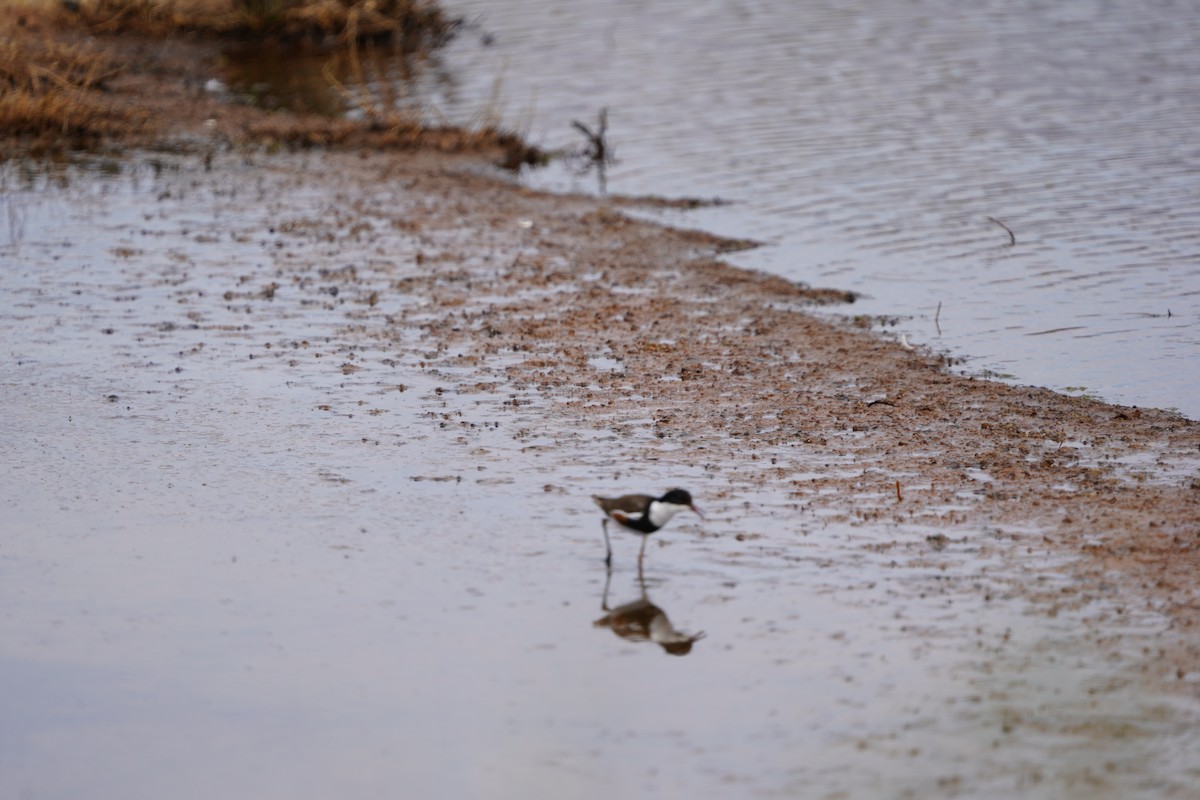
(642, 621)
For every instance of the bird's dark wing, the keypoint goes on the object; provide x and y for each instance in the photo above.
(630, 505)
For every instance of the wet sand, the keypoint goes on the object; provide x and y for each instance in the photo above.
(347, 406)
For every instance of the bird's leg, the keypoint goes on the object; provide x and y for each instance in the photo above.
(607, 545)
(642, 552)
(604, 597)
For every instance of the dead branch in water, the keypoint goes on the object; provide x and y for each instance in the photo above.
(597, 153)
(1012, 237)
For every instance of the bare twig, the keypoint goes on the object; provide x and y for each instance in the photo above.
(1012, 237)
(597, 153)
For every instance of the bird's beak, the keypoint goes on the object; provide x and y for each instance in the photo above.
(698, 514)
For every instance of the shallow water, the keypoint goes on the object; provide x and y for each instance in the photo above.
(250, 548)
(888, 148)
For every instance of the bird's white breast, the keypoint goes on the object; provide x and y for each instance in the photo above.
(661, 512)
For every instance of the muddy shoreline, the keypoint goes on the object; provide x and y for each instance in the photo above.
(623, 326)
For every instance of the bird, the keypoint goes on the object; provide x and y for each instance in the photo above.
(642, 513)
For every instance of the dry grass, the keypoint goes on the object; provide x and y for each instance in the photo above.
(37, 65)
(53, 88)
(83, 74)
(410, 21)
(394, 131)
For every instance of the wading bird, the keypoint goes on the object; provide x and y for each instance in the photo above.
(642, 514)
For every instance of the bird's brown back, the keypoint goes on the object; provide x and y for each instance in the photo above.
(629, 503)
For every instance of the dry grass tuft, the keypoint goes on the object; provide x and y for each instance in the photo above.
(62, 86)
(38, 65)
(50, 88)
(408, 21)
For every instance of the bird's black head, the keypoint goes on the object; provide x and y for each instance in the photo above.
(679, 497)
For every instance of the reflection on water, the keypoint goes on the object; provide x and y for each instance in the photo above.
(371, 79)
(641, 621)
